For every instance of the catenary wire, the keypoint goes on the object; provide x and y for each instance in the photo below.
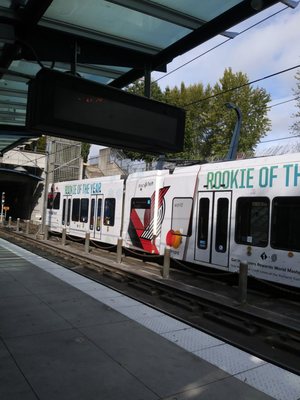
(241, 86)
(220, 44)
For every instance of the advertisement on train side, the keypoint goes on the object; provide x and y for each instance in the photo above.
(268, 268)
(83, 188)
(248, 178)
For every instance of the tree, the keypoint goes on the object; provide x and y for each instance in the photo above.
(138, 88)
(209, 124)
(41, 144)
(188, 98)
(220, 121)
(38, 145)
(295, 128)
(85, 149)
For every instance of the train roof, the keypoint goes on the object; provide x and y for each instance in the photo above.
(102, 179)
(241, 163)
(148, 174)
(252, 162)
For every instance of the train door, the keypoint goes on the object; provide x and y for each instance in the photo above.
(213, 227)
(95, 216)
(66, 212)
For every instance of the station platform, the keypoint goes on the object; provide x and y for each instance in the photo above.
(63, 336)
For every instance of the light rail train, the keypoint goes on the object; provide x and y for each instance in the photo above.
(215, 215)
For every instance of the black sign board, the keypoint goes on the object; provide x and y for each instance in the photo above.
(68, 106)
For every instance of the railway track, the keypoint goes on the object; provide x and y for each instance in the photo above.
(260, 330)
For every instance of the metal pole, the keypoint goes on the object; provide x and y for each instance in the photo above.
(87, 243)
(166, 266)
(46, 171)
(46, 232)
(27, 227)
(63, 237)
(147, 81)
(9, 222)
(2, 205)
(243, 277)
(119, 250)
(18, 224)
(160, 162)
(231, 155)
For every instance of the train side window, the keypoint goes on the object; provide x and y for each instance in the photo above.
(63, 221)
(99, 213)
(141, 203)
(84, 209)
(203, 223)
(75, 210)
(222, 225)
(109, 212)
(53, 200)
(142, 206)
(56, 201)
(92, 214)
(50, 201)
(285, 223)
(181, 215)
(69, 212)
(252, 221)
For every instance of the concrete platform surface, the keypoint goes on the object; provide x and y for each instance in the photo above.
(65, 337)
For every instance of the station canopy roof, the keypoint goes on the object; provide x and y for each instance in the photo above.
(109, 41)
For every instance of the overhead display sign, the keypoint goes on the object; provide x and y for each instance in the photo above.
(68, 106)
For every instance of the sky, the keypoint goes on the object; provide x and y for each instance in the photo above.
(269, 47)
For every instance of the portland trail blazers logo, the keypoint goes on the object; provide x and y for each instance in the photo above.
(142, 223)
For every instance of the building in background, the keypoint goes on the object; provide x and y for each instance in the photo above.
(65, 161)
(24, 174)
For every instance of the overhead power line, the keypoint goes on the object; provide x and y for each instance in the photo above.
(237, 87)
(276, 140)
(284, 102)
(241, 86)
(193, 59)
(218, 45)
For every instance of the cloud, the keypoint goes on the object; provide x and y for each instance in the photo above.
(269, 47)
(265, 49)
(281, 117)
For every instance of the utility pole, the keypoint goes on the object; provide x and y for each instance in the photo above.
(2, 206)
(46, 171)
(231, 155)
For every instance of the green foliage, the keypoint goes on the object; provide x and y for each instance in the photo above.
(209, 124)
(138, 88)
(41, 143)
(219, 121)
(37, 145)
(188, 98)
(85, 149)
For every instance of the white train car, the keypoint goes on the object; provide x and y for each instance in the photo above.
(144, 210)
(215, 215)
(228, 212)
(89, 205)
